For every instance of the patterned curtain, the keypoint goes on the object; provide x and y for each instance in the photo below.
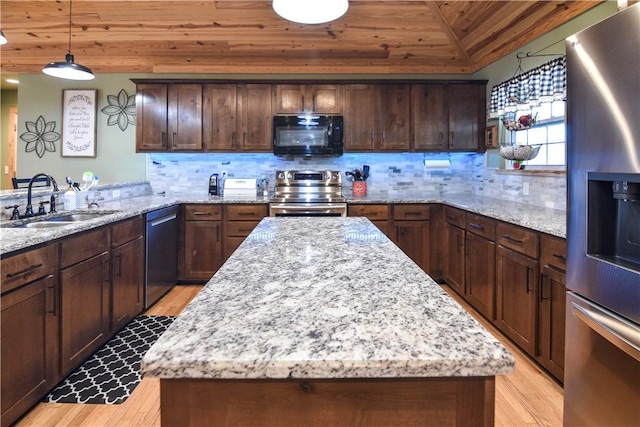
(545, 83)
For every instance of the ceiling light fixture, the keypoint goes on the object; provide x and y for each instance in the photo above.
(3, 38)
(311, 11)
(68, 69)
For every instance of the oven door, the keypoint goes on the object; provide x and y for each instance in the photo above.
(307, 209)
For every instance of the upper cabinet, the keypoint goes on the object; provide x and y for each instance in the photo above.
(377, 117)
(219, 117)
(151, 117)
(254, 117)
(184, 117)
(400, 116)
(169, 117)
(448, 117)
(307, 98)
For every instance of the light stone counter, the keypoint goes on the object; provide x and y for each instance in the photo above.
(323, 298)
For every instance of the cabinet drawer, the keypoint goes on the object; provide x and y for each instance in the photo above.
(553, 252)
(84, 246)
(454, 216)
(245, 212)
(126, 231)
(240, 228)
(518, 239)
(373, 212)
(203, 212)
(411, 212)
(481, 226)
(27, 267)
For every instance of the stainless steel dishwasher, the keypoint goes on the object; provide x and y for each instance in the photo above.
(161, 253)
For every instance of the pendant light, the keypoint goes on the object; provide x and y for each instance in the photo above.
(68, 69)
(3, 38)
(310, 11)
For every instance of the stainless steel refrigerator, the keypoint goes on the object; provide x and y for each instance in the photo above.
(602, 356)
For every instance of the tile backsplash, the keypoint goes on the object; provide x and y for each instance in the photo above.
(391, 174)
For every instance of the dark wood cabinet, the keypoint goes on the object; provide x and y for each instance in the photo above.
(480, 277)
(377, 214)
(254, 121)
(184, 118)
(219, 117)
(455, 259)
(516, 284)
(239, 222)
(202, 241)
(127, 272)
(151, 117)
(307, 98)
(411, 232)
(29, 330)
(448, 117)
(429, 118)
(377, 117)
(84, 296)
(552, 305)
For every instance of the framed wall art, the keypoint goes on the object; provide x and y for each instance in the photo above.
(79, 122)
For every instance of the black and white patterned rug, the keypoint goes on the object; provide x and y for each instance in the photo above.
(111, 374)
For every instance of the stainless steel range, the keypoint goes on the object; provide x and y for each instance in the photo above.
(308, 193)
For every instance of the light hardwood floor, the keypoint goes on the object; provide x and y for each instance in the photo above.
(527, 397)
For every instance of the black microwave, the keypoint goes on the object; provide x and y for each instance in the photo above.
(308, 135)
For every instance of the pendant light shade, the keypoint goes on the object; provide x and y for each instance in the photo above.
(68, 69)
(3, 39)
(310, 11)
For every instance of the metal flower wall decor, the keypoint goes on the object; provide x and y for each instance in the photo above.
(40, 136)
(121, 110)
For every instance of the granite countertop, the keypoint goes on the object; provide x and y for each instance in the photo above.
(343, 302)
(545, 220)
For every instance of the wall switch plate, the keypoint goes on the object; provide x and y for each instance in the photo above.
(525, 188)
(115, 194)
(6, 170)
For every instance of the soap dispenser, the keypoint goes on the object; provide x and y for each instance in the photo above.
(70, 199)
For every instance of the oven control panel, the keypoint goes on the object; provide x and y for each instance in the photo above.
(313, 178)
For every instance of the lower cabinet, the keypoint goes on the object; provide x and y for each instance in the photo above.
(202, 241)
(377, 214)
(552, 305)
(29, 323)
(127, 272)
(84, 296)
(411, 232)
(516, 285)
(239, 222)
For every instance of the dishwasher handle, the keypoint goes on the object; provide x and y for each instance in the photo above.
(162, 220)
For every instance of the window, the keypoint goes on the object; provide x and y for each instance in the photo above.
(549, 131)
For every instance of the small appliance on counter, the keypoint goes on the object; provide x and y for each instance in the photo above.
(213, 185)
(240, 187)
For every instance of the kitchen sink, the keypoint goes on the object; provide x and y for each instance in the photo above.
(57, 221)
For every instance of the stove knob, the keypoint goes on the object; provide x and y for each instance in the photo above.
(336, 177)
(327, 176)
(289, 176)
(281, 175)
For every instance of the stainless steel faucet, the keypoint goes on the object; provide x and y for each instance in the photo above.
(52, 207)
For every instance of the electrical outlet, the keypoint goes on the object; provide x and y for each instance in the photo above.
(115, 194)
(525, 188)
(224, 172)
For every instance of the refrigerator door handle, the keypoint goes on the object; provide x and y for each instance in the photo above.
(622, 334)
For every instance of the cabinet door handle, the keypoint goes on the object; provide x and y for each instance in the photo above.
(560, 257)
(51, 291)
(441, 139)
(117, 263)
(244, 138)
(313, 102)
(218, 233)
(384, 137)
(543, 279)
(372, 139)
(413, 213)
(513, 239)
(202, 213)
(476, 226)
(233, 140)
(173, 142)
(23, 271)
(528, 275)
(458, 243)
(451, 139)
(163, 140)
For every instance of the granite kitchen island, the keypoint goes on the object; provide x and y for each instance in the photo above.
(325, 322)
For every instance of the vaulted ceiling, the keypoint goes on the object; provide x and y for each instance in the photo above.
(236, 36)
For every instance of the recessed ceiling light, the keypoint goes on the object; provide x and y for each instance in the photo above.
(310, 11)
(12, 81)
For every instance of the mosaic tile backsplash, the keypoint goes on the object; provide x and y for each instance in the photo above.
(390, 174)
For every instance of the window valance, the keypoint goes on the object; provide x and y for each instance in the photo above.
(545, 83)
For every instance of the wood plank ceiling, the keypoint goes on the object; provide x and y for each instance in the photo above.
(236, 36)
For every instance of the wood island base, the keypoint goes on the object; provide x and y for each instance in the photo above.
(452, 401)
